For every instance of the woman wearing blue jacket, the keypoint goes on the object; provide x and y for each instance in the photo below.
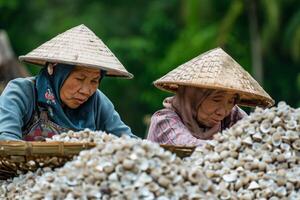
(64, 95)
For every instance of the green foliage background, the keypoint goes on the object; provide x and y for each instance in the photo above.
(152, 37)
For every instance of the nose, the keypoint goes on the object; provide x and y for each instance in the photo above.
(221, 112)
(85, 90)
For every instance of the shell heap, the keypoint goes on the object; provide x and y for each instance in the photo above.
(258, 158)
(83, 136)
(123, 168)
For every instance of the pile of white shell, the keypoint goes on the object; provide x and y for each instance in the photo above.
(82, 136)
(10, 189)
(122, 168)
(258, 158)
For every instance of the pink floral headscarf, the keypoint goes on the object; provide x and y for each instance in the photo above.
(186, 103)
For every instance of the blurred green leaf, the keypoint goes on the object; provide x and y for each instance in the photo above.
(153, 37)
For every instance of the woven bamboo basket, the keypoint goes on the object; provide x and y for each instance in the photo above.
(20, 156)
(28, 156)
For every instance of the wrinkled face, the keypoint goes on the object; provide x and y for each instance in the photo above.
(215, 108)
(79, 86)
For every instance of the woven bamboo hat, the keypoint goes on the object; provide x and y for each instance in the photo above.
(78, 46)
(215, 69)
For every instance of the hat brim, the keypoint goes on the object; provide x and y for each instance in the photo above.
(41, 62)
(246, 98)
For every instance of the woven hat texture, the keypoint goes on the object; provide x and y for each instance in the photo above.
(215, 69)
(78, 46)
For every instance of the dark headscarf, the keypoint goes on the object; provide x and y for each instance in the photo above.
(48, 96)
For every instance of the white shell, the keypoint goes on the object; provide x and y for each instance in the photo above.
(296, 144)
(265, 126)
(230, 177)
(276, 139)
(253, 185)
(247, 140)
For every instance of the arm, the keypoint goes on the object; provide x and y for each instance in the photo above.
(166, 128)
(16, 106)
(108, 119)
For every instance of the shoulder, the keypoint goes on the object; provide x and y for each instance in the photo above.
(103, 105)
(28, 81)
(166, 113)
(166, 118)
(20, 86)
(18, 98)
(166, 127)
(101, 96)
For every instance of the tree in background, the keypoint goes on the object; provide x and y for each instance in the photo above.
(153, 37)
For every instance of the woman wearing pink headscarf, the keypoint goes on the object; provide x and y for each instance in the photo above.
(208, 89)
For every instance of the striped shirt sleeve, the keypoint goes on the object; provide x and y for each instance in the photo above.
(167, 128)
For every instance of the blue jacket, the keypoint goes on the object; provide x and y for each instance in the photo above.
(17, 104)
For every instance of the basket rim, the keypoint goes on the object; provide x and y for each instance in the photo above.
(58, 148)
(61, 148)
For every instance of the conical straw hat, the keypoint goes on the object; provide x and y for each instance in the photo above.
(78, 46)
(215, 69)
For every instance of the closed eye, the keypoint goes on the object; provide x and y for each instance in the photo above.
(95, 81)
(217, 100)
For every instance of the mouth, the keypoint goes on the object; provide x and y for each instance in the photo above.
(215, 121)
(80, 101)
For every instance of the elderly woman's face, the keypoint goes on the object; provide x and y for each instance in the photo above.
(215, 108)
(79, 86)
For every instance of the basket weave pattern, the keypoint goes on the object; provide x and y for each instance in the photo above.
(28, 156)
